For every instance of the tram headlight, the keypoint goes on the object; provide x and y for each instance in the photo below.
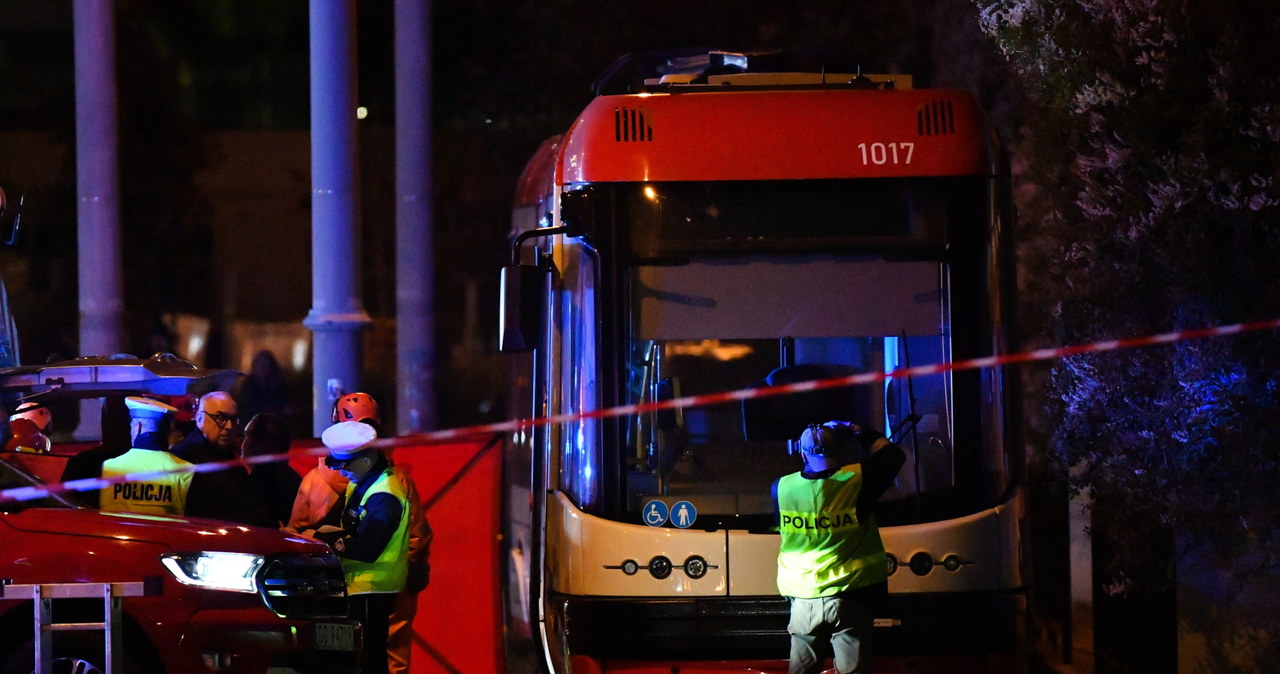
(893, 563)
(921, 563)
(952, 562)
(695, 567)
(660, 567)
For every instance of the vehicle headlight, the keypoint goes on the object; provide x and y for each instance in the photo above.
(231, 571)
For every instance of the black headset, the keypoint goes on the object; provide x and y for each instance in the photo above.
(816, 431)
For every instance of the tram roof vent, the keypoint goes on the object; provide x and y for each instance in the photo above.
(632, 124)
(935, 118)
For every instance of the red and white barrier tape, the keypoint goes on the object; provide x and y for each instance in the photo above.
(440, 437)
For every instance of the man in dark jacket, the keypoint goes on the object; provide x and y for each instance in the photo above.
(274, 482)
(115, 441)
(224, 493)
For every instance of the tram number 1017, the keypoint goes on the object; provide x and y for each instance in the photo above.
(886, 153)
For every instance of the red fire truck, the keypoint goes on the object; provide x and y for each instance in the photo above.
(205, 596)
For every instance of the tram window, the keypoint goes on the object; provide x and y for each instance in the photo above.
(712, 459)
(580, 445)
(684, 217)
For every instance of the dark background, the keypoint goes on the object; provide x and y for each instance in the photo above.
(204, 86)
(1145, 141)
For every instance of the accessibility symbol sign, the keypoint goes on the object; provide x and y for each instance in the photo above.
(654, 513)
(683, 514)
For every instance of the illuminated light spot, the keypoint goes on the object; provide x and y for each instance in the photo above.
(298, 355)
(711, 347)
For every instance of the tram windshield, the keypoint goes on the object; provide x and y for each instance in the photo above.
(718, 298)
(709, 327)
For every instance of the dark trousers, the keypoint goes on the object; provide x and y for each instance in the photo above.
(373, 610)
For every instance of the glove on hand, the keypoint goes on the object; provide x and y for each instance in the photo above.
(867, 436)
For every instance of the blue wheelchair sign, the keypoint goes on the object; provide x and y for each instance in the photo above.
(654, 513)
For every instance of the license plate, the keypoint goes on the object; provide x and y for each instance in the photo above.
(335, 637)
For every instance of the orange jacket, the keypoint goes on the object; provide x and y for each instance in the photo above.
(317, 495)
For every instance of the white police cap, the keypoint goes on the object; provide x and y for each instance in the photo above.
(146, 408)
(348, 438)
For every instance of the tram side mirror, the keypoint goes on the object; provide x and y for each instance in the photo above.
(578, 212)
(11, 220)
(523, 290)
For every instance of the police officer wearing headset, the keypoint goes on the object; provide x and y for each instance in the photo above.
(831, 561)
(373, 538)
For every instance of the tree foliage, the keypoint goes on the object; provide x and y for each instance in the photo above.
(1157, 148)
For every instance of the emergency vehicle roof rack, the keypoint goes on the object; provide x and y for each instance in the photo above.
(92, 376)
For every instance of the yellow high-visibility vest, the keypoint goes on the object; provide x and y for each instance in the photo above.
(157, 495)
(825, 550)
(387, 573)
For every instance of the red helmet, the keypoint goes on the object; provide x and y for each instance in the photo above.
(27, 437)
(356, 407)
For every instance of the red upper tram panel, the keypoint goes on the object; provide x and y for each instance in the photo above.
(745, 125)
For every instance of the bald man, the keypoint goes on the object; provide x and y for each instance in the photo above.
(226, 493)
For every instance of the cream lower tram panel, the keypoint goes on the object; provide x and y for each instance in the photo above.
(593, 556)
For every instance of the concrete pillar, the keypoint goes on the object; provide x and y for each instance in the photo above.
(415, 256)
(337, 314)
(101, 277)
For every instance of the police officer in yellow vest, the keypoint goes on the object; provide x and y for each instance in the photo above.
(161, 491)
(373, 540)
(831, 562)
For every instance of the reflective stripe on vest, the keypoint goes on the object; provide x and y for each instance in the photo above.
(387, 573)
(824, 549)
(155, 495)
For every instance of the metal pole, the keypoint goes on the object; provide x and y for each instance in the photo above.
(337, 314)
(42, 641)
(415, 261)
(100, 273)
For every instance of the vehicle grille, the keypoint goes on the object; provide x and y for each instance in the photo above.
(710, 628)
(632, 125)
(304, 586)
(935, 118)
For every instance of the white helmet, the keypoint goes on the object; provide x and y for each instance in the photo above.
(37, 413)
